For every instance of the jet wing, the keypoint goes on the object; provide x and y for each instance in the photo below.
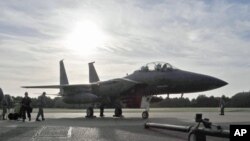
(60, 86)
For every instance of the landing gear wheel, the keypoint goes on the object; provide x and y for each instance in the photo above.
(89, 112)
(101, 111)
(118, 112)
(145, 115)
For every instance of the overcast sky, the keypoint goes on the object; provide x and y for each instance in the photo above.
(208, 37)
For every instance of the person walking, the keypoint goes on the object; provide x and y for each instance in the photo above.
(41, 104)
(26, 107)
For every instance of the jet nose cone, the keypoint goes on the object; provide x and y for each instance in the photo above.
(220, 83)
(215, 83)
(209, 83)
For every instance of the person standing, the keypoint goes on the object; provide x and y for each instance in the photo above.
(4, 105)
(222, 105)
(41, 103)
(26, 107)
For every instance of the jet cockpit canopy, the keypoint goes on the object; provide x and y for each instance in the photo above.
(157, 66)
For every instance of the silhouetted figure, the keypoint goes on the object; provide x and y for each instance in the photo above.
(158, 67)
(41, 104)
(222, 105)
(4, 105)
(26, 107)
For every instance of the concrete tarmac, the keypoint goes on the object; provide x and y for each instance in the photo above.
(73, 126)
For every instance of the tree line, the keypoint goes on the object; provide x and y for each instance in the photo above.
(241, 99)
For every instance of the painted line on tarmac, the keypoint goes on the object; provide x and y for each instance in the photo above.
(12, 126)
(69, 132)
(38, 133)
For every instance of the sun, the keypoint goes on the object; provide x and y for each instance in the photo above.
(85, 38)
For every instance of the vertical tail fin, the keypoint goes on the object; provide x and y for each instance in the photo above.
(1, 95)
(63, 75)
(93, 77)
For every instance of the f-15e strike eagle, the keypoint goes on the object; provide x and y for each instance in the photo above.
(134, 90)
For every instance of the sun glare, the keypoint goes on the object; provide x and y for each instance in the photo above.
(85, 38)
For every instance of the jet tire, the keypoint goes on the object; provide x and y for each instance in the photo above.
(118, 112)
(89, 112)
(145, 115)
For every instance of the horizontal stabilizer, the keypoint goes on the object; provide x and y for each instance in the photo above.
(59, 86)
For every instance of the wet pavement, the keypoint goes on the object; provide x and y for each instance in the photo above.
(74, 127)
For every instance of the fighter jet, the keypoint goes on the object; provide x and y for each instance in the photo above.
(134, 90)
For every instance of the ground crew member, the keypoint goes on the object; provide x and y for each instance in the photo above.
(4, 105)
(26, 107)
(222, 106)
(41, 103)
(9, 101)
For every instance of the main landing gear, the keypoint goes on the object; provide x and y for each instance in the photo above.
(101, 110)
(90, 112)
(145, 103)
(118, 109)
(118, 112)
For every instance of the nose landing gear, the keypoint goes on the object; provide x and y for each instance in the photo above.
(145, 115)
(145, 103)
